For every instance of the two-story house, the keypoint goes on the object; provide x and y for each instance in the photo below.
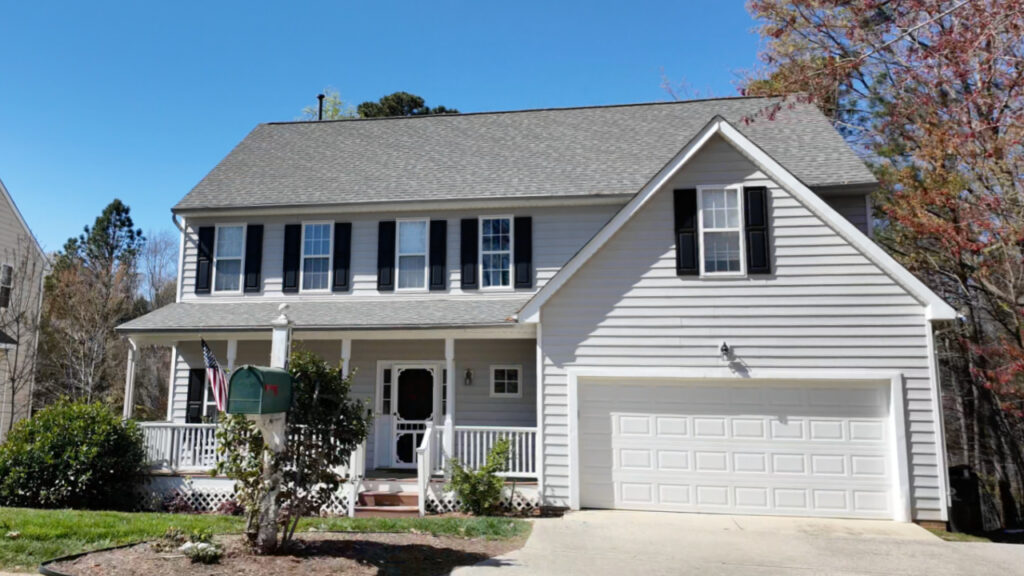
(672, 306)
(22, 268)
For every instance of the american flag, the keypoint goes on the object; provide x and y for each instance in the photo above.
(218, 382)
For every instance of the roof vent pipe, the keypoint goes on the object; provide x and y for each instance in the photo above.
(320, 108)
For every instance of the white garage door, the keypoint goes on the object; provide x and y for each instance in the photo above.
(801, 449)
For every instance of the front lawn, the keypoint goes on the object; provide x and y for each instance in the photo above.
(46, 534)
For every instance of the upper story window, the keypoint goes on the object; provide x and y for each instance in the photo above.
(316, 256)
(721, 231)
(229, 246)
(496, 252)
(411, 255)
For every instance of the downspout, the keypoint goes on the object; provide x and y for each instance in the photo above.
(181, 255)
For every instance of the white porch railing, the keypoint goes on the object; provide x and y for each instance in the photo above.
(180, 447)
(425, 464)
(474, 443)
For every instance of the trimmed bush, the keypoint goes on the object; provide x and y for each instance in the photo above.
(480, 490)
(72, 455)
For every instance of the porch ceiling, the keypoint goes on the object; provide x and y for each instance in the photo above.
(333, 315)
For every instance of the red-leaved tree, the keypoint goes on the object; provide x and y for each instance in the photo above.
(931, 92)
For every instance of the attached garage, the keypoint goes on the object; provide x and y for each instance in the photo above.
(779, 447)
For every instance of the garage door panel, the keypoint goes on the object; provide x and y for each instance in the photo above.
(819, 450)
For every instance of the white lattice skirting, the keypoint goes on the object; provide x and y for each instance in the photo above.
(522, 500)
(207, 494)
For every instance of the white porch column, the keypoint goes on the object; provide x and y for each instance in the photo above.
(346, 355)
(281, 339)
(232, 354)
(129, 380)
(449, 386)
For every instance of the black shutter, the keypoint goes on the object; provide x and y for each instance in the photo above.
(342, 255)
(523, 251)
(386, 256)
(292, 258)
(253, 257)
(204, 259)
(759, 259)
(438, 254)
(687, 241)
(470, 246)
(194, 403)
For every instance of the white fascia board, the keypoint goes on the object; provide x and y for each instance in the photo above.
(504, 203)
(530, 312)
(935, 307)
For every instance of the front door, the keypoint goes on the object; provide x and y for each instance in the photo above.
(413, 409)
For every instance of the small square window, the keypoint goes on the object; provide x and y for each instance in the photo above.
(505, 382)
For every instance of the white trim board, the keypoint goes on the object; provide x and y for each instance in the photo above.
(935, 307)
(897, 421)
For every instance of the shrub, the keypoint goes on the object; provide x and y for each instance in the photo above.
(325, 424)
(72, 455)
(480, 491)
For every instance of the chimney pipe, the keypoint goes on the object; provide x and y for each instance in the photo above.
(320, 110)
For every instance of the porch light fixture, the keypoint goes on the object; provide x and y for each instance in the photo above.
(468, 380)
(725, 351)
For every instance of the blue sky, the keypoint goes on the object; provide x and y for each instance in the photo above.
(138, 100)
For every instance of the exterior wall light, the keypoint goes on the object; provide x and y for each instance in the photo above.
(725, 351)
(468, 380)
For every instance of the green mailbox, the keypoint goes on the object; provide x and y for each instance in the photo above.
(259, 390)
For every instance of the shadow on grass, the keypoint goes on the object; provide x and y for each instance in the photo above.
(389, 559)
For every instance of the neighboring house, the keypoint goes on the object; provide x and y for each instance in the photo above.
(22, 267)
(670, 306)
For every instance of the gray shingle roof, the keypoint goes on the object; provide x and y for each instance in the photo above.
(340, 314)
(559, 152)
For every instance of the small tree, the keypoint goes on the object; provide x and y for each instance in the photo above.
(324, 426)
(480, 490)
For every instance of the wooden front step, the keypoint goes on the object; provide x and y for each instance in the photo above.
(385, 504)
(387, 511)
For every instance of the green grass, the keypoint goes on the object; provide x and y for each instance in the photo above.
(46, 534)
(957, 536)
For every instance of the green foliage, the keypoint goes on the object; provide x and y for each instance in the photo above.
(480, 490)
(324, 426)
(48, 534)
(202, 552)
(72, 455)
(400, 104)
(334, 107)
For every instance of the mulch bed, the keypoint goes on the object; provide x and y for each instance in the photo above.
(311, 553)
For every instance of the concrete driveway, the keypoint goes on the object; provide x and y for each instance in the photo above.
(605, 542)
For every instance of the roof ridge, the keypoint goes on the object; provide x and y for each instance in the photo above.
(525, 110)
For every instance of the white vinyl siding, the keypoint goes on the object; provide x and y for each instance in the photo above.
(558, 233)
(854, 207)
(825, 307)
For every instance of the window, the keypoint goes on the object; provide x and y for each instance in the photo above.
(227, 258)
(209, 404)
(721, 232)
(411, 255)
(386, 392)
(505, 381)
(316, 256)
(496, 252)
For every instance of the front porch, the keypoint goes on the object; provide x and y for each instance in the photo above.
(433, 398)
